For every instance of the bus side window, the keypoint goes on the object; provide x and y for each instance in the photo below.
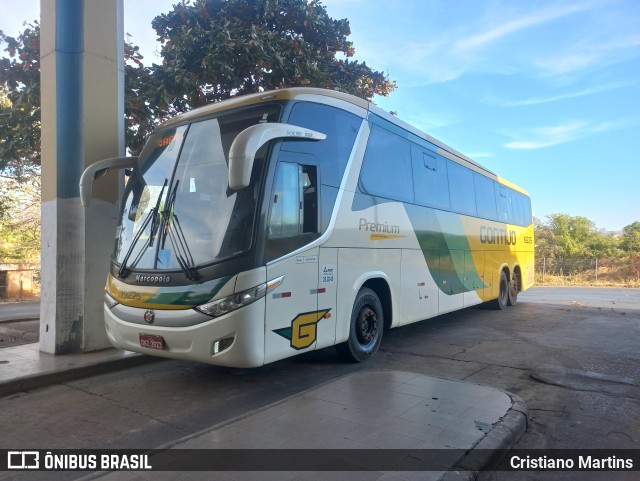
(430, 182)
(386, 168)
(485, 197)
(503, 202)
(294, 203)
(309, 199)
(461, 189)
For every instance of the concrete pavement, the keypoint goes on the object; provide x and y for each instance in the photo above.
(438, 429)
(364, 410)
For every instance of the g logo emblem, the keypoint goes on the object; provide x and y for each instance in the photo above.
(303, 330)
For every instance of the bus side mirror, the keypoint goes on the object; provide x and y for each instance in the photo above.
(98, 169)
(247, 143)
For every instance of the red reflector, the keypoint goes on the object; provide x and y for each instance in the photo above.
(286, 294)
(322, 290)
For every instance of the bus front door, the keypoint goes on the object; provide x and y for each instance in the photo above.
(292, 314)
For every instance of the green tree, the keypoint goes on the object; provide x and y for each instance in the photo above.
(545, 246)
(140, 106)
(20, 102)
(20, 219)
(631, 238)
(20, 107)
(562, 236)
(214, 49)
(604, 245)
(571, 234)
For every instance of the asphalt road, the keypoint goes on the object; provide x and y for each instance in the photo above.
(571, 353)
(19, 323)
(10, 311)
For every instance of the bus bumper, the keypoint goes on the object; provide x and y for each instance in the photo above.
(196, 343)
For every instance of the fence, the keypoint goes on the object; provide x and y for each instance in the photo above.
(624, 270)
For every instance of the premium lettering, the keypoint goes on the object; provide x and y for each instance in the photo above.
(382, 228)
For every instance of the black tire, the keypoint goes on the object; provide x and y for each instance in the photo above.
(503, 293)
(513, 290)
(366, 328)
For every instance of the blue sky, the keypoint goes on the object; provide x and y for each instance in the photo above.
(545, 94)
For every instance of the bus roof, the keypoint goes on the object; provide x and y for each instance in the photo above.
(293, 92)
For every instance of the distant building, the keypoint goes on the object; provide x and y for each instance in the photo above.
(19, 281)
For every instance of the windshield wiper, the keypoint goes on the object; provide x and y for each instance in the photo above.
(152, 216)
(173, 230)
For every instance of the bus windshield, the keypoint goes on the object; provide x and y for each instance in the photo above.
(178, 211)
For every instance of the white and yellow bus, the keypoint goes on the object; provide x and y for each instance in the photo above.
(273, 224)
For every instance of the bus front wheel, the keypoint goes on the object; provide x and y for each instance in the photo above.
(365, 330)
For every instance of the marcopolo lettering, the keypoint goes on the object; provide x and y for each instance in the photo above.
(373, 227)
(150, 278)
(496, 235)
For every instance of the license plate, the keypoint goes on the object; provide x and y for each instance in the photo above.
(151, 342)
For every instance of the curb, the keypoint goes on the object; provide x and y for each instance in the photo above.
(26, 336)
(46, 379)
(9, 321)
(492, 449)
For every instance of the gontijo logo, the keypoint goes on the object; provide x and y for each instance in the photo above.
(496, 235)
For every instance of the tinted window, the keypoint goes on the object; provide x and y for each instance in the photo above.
(341, 129)
(521, 209)
(503, 203)
(485, 196)
(429, 178)
(386, 170)
(461, 189)
(527, 211)
(285, 207)
(190, 216)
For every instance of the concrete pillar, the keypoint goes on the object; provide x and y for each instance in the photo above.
(82, 91)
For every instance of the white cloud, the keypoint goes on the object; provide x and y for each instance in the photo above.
(589, 53)
(555, 98)
(517, 24)
(435, 53)
(541, 137)
(547, 136)
(629, 41)
(565, 64)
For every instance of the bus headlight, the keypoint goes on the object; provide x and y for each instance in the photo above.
(223, 306)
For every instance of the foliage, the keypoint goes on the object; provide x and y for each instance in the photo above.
(574, 251)
(631, 238)
(211, 49)
(562, 236)
(141, 114)
(214, 49)
(20, 219)
(20, 105)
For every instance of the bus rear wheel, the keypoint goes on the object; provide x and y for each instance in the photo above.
(513, 290)
(503, 293)
(366, 328)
